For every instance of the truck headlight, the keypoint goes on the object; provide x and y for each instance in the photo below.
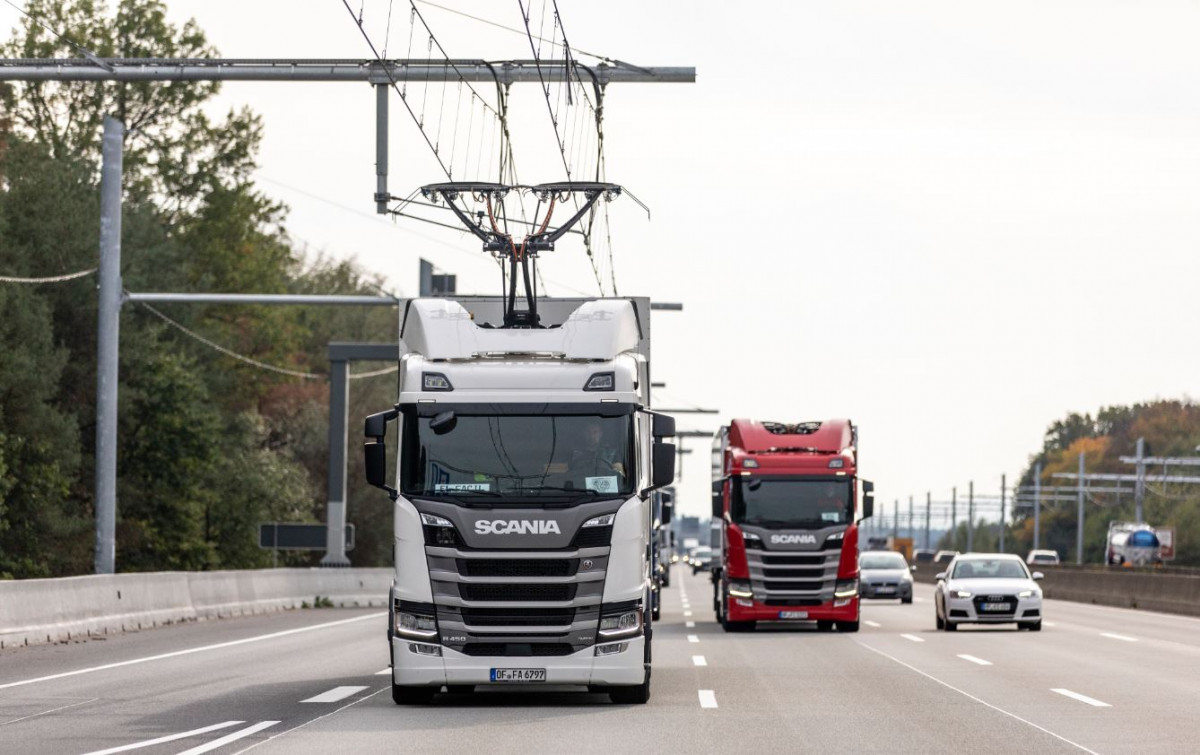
(621, 624)
(960, 593)
(415, 625)
(604, 520)
(846, 588)
(740, 590)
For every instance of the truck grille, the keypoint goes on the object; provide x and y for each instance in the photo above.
(799, 586)
(774, 573)
(793, 601)
(517, 649)
(515, 567)
(528, 617)
(815, 559)
(592, 537)
(517, 592)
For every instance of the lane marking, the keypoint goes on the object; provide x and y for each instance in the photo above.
(168, 738)
(690, 624)
(874, 624)
(918, 598)
(52, 710)
(1050, 623)
(687, 613)
(189, 651)
(385, 672)
(334, 695)
(699, 660)
(1121, 637)
(931, 677)
(311, 721)
(693, 638)
(235, 736)
(1081, 698)
(708, 698)
(913, 637)
(973, 659)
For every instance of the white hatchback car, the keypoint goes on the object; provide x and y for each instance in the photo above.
(988, 588)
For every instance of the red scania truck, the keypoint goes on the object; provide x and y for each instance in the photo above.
(789, 500)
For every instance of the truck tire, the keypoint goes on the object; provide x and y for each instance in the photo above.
(847, 626)
(632, 695)
(723, 616)
(666, 580)
(402, 695)
(656, 612)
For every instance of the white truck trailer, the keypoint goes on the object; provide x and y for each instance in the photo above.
(526, 461)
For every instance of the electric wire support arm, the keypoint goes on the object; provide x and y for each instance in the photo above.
(497, 239)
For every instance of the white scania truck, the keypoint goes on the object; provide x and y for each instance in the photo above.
(523, 518)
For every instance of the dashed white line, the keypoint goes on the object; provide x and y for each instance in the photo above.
(46, 712)
(913, 638)
(1081, 698)
(687, 613)
(235, 736)
(1050, 623)
(973, 659)
(334, 695)
(933, 678)
(708, 698)
(874, 624)
(385, 672)
(168, 738)
(693, 638)
(189, 651)
(919, 599)
(699, 660)
(1121, 637)
(690, 624)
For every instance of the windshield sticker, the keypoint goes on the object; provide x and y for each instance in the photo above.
(830, 516)
(452, 487)
(602, 484)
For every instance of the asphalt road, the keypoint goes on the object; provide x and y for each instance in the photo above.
(1094, 680)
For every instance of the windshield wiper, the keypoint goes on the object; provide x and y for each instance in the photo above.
(554, 488)
(456, 493)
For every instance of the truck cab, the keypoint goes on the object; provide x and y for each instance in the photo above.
(788, 500)
(522, 498)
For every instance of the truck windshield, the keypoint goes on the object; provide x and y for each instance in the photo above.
(517, 456)
(791, 503)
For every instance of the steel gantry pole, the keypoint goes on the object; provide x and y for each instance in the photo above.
(896, 519)
(954, 519)
(1139, 490)
(108, 338)
(971, 516)
(928, 505)
(1003, 523)
(1079, 514)
(911, 532)
(1037, 505)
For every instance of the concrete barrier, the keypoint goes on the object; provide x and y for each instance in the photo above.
(1165, 590)
(54, 610)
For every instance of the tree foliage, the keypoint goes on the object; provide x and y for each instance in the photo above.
(208, 447)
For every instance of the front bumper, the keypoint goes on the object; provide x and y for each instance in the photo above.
(965, 611)
(845, 609)
(903, 590)
(583, 667)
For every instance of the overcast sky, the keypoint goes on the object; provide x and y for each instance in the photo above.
(951, 222)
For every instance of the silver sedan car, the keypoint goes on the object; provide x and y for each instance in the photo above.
(988, 588)
(884, 574)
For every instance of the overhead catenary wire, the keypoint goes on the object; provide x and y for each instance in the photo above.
(252, 361)
(51, 279)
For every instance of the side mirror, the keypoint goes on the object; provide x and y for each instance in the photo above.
(912, 568)
(663, 470)
(375, 452)
(940, 576)
(868, 499)
(662, 426)
(1037, 575)
(667, 509)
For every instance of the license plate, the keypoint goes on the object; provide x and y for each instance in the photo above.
(518, 675)
(996, 606)
(793, 614)
(885, 590)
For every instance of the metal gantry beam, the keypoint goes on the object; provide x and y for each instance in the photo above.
(307, 69)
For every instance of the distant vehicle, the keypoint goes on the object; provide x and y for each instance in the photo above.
(1133, 544)
(988, 588)
(944, 557)
(1043, 557)
(701, 559)
(884, 574)
(923, 556)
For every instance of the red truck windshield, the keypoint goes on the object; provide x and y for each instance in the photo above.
(797, 503)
